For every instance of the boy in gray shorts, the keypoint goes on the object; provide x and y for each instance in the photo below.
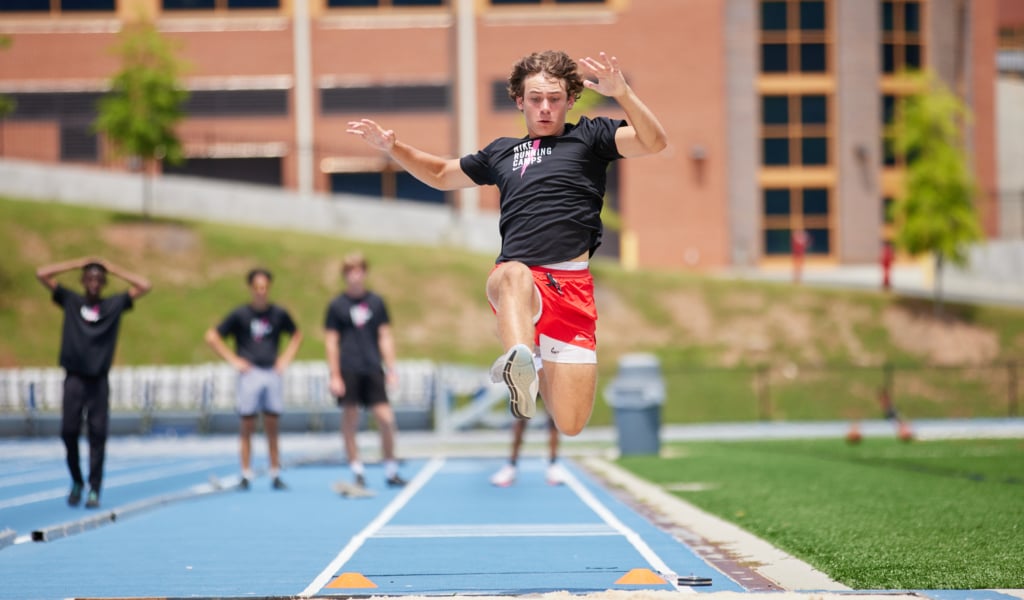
(257, 328)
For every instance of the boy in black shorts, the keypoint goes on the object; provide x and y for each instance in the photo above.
(88, 341)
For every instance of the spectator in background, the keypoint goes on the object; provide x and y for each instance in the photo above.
(506, 476)
(257, 328)
(360, 351)
(88, 341)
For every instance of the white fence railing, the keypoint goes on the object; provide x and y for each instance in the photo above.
(202, 397)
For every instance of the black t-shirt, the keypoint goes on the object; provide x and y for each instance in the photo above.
(552, 189)
(89, 334)
(358, 322)
(257, 333)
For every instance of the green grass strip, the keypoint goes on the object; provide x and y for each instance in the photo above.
(879, 515)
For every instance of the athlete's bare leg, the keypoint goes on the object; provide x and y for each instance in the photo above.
(349, 425)
(385, 417)
(568, 391)
(270, 429)
(248, 426)
(510, 288)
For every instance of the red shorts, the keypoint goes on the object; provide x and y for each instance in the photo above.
(566, 324)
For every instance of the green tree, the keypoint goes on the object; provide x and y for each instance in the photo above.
(7, 104)
(139, 114)
(936, 213)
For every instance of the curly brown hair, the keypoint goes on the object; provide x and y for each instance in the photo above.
(554, 63)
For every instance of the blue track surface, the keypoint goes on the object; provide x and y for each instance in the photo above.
(166, 531)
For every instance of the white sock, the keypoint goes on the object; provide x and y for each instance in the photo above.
(356, 466)
(391, 468)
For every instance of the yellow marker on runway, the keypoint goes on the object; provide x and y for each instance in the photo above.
(351, 580)
(640, 577)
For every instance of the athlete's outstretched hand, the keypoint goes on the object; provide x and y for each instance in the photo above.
(373, 134)
(605, 69)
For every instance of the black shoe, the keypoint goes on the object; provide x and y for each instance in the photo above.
(93, 501)
(243, 484)
(360, 481)
(75, 496)
(396, 481)
(277, 484)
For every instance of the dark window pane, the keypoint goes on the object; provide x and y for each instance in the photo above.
(579, 1)
(83, 5)
(515, 1)
(814, 151)
(813, 110)
(816, 201)
(78, 142)
(777, 241)
(499, 96)
(391, 98)
(237, 103)
(362, 184)
(888, 152)
(887, 16)
(188, 4)
(54, 105)
(812, 15)
(820, 241)
(776, 152)
(254, 3)
(888, 58)
(773, 58)
(773, 16)
(259, 170)
(812, 58)
(408, 187)
(912, 17)
(775, 110)
(417, 2)
(887, 211)
(331, 3)
(25, 5)
(912, 57)
(776, 202)
(888, 109)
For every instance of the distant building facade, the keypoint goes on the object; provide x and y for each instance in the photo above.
(776, 110)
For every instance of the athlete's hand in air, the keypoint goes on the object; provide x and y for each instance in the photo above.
(373, 134)
(605, 69)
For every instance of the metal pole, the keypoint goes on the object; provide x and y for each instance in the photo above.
(466, 104)
(303, 87)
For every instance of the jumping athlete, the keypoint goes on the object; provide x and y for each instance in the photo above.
(91, 325)
(257, 328)
(552, 186)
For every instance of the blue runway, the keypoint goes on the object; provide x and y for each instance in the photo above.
(165, 530)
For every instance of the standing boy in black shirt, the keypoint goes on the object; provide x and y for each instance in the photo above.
(257, 329)
(88, 340)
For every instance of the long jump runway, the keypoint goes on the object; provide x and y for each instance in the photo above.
(173, 525)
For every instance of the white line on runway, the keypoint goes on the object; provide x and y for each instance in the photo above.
(360, 538)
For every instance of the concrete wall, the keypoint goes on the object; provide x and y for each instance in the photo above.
(346, 216)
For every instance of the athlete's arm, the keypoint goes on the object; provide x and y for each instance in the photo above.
(386, 340)
(439, 173)
(140, 286)
(286, 357)
(644, 134)
(332, 341)
(215, 341)
(47, 275)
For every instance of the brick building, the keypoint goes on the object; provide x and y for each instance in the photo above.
(775, 109)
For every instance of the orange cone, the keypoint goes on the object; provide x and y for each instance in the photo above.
(640, 577)
(853, 436)
(351, 580)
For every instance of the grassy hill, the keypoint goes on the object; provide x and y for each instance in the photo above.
(730, 350)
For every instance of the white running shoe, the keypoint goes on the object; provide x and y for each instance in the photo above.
(555, 474)
(505, 476)
(517, 370)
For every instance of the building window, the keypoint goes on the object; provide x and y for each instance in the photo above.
(237, 103)
(795, 130)
(78, 143)
(57, 5)
(383, 3)
(391, 98)
(386, 184)
(524, 2)
(789, 210)
(901, 36)
(794, 36)
(219, 4)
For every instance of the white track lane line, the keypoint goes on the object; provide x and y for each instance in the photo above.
(631, 536)
(385, 515)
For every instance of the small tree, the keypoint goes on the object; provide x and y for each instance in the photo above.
(936, 212)
(7, 104)
(145, 101)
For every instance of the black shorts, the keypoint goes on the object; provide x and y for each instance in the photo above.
(363, 389)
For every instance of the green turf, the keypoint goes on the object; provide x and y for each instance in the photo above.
(882, 514)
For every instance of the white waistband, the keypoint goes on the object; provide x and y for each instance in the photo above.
(568, 265)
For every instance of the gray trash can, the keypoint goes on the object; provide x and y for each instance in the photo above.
(636, 395)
